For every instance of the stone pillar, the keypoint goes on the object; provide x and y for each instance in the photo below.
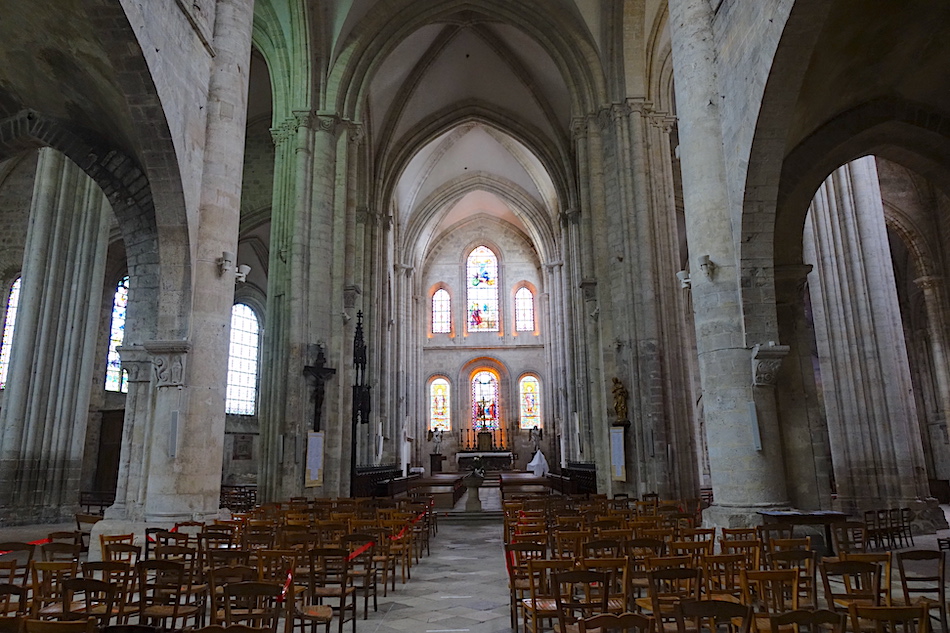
(865, 378)
(186, 446)
(745, 455)
(136, 435)
(52, 364)
(804, 429)
(935, 300)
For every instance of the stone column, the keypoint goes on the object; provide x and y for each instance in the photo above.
(745, 455)
(185, 451)
(804, 429)
(935, 300)
(52, 364)
(865, 378)
(136, 435)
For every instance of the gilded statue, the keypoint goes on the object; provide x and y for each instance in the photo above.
(620, 400)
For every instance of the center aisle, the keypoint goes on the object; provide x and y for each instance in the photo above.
(462, 587)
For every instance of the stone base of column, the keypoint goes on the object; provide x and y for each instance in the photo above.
(722, 516)
(927, 516)
(128, 526)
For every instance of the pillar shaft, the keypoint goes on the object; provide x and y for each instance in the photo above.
(53, 357)
(935, 300)
(865, 378)
(742, 433)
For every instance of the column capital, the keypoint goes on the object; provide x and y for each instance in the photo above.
(570, 216)
(356, 132)
(328, 122)
(168, 359)
(405, 269)
(284, 131)
(766, 361)
(136, 362)
(930, 282)
(579, 126)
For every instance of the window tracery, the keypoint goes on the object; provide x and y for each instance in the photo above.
(482, 276)
(242, 361)
(440, 417)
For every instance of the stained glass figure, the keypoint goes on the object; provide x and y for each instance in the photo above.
(441, 312)
(485, 401)
(524, 310)
(12, 302)
(242, 361)
(440, 418)
(530, 390)
(116, 379)
(482, 271)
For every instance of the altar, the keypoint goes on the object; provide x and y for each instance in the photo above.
(491, 460)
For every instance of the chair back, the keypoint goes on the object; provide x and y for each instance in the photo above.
(808, 621)
(850, 581)
(85, 597)
(913, 619)
(713, 616)
(253, 603)
(616, 623)
(580, 594)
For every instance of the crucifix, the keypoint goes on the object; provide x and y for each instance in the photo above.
(320, 374)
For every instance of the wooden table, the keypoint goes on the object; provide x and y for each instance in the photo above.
(807, 517)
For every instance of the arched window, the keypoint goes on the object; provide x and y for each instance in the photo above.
(440, 417)
(242, 361)
(441, 312)
(485, 400)
(116, 379)
(530, 390)
(524, 310)
(482, 275)
(12, 302)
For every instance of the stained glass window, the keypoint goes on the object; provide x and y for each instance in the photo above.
(242, 361)
(439, 416)
(485, 400)
(524, 310)
(12, 302)
(441, 312)
(530, 403)
(482, 271)
(116, 379)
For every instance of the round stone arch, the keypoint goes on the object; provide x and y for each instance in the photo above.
(128, 191)
(284, 43)
(381, 31)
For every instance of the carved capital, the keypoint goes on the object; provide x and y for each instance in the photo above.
(356, 132)
(326, 122)
(405, 269)
(766, 362)
(589, 288)
(350, 293)
(284, 132)
(364, 215)
(136, 362)
(570, 216)
(579, 128)
(604, 118)
(930, 283)
(168, 361)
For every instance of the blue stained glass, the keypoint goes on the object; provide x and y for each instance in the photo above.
(482, 273)
(116, 379)
(485, 401)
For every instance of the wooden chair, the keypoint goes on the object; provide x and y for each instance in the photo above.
(165, 594)
(600, 548)
(329, 581)
(698, 534)
(721, 574)
(45, 626)
(849, 536)
(924, 582)
(84, 523)
(121, 576)
(13, 599)
(740, 534)
(62, 552)
(782, 544)
(253, 603)
(713, 616)
(616, 622)
(889, 619)
(517, 557)
(218, 578)
(696, 550)
(808, 621)
(850, 581)
(48, 587)
(618, 592)
(668, 588)
(87, 597)
(882, 559)
(541, 604)
(580, 594)
(806, 563)
(772, 591)
(18, 558)
(122, 552)
(750, 548)
(363, 567)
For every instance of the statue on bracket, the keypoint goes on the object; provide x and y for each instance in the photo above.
(620, 403)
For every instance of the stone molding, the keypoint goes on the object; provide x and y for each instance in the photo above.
(589, 287)
(350, 293)
(570, 216)
(766, 362)
(168, 359)
(405, 269)
(929, 282)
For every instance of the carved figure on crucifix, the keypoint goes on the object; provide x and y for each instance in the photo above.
(320, 374)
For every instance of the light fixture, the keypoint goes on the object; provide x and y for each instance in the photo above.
(684, 279)
(241, 274)
(708, 266)
(225, 262)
